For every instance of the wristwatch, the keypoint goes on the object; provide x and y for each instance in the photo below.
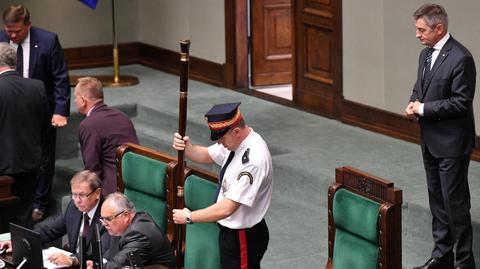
(188, 218)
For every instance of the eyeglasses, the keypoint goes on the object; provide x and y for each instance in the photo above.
(82, 196)
(109, 219)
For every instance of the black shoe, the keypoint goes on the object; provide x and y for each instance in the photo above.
(37, 215)
(433, 263)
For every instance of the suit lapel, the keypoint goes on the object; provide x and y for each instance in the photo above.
(442, 55)
(76, 229)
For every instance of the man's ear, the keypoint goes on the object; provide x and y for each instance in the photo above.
(440, 28)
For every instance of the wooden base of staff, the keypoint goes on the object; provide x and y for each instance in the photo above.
(109, 81)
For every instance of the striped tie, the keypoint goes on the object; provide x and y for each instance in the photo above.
(427, 73)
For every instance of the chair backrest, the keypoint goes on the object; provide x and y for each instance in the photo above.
(201, 239)
(364, 220)
(142, 176)
(356, 236)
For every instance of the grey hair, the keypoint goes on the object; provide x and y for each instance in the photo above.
(433, 14)
(8, 55)
(121, 202)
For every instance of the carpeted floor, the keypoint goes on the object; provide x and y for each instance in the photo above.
(306, 149)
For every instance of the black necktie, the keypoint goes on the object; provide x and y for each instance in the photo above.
(86, 224)
(19, 66)
(222, 172)
(427, 73)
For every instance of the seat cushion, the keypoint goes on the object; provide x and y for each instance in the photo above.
(356, 214)
(352, 252)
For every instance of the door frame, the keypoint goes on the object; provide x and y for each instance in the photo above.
(236, 55)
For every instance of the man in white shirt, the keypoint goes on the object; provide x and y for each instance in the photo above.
(245, 186)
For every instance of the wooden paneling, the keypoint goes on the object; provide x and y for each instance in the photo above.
(380, 121)
(388, 123)
(271, 42)
(318, 56)
(236, 44)
(140, 53)
(102, 55)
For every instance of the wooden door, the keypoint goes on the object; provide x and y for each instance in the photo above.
(271, 42)
(317, 82)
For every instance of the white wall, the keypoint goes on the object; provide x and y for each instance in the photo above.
(380, 51)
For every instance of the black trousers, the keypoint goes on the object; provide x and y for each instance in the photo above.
(449, 198)
(24, 187)
(243, 248)
(44, 182)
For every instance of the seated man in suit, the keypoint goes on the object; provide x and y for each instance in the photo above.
(82, 212)
(137, 233)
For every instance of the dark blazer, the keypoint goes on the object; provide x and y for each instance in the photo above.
(100, 134)
(69, 224)
(24, 118)
(447, 127)
(145, 238)
(47, 63)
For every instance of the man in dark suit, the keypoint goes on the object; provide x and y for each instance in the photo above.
(442, 101)
(23, 123)
(40, 56)
(84, 207)
(101, 132)
(138, 233)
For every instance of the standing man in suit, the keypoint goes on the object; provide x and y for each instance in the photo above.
(23, 123)
(101, 132)
(442, 101)
(80, 218)
(40, 56)
(137, 233)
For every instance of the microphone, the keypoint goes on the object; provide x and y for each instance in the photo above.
(97, 249)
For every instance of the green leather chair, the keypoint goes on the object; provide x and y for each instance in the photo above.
(201, 239)
(364, 222)
(142, 176)
(356, 236)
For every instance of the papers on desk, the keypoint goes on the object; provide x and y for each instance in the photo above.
(49, 251)
(5, 236)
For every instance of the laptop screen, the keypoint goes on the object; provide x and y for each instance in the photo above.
(26, 247)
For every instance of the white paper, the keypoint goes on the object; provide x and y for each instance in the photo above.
(48, 252)
(4, 237)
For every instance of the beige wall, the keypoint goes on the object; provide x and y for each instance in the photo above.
(380, 51)
(165, 22)
(79, 26)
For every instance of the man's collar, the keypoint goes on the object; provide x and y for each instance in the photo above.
(439, 45)
(6, 70)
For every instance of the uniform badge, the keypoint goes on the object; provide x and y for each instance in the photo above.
(244, 173)
(245, 158)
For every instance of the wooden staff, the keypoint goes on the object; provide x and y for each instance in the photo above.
(182, 126)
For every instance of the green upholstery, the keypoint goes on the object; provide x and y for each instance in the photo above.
(356, 235)
(145, 185)
(201, 239)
